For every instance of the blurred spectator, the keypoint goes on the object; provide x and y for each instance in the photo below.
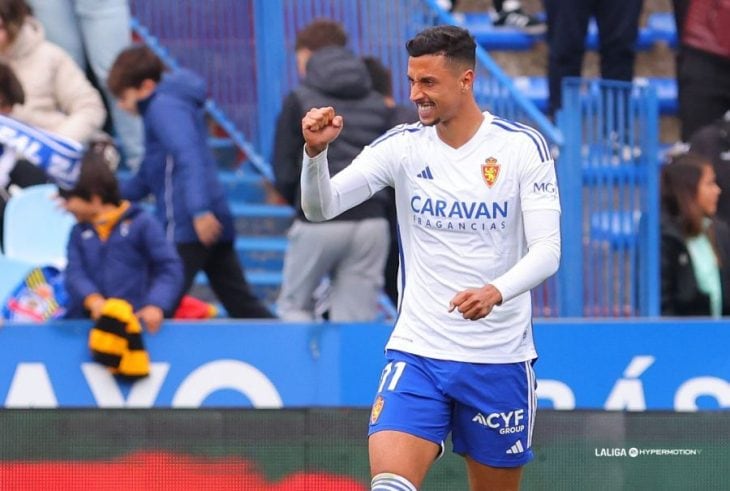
(351, 249)
(567, 20)
(94, 32)
(508, 13)
(713, 142)
(695, 245)
(703, 71)
(179, 169)
(29, 156)
(117, 250)
(58, 97)
(382, 79)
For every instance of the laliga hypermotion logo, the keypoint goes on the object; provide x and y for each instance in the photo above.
(490, 171)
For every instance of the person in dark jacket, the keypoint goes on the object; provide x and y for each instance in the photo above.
(695, 245)
(351, 250)
(117, 250)
(180, 171)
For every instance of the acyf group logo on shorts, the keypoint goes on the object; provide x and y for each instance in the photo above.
(506, 422)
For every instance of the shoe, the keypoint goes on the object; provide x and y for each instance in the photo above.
(518, 19)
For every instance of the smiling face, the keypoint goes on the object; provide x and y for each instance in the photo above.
(708, 191)
(438, 87)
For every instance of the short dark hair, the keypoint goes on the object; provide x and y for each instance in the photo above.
(680, 179)
(13, 14)
(95, 179)
(380, 75)
(11, 90)
(454, 43)
(321, 33)
(133, 66)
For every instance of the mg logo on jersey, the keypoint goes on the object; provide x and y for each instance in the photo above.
(509, 422)
(544, 187)
(490, 171)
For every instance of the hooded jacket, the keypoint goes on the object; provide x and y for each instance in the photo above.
(136, 263)
(58, 96)
(334, 77)
(178, 167)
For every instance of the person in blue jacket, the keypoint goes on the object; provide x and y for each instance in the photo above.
(117, 250)
(180, 171)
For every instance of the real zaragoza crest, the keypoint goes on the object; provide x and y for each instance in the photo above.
(490, 171)
(377, 408)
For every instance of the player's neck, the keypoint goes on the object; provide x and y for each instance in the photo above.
(460, 129)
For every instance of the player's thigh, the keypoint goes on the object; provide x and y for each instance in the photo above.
(494, 413)
(401, 453)
(486, 478)
(410, 418)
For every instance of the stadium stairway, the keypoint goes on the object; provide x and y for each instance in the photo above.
(261, 234)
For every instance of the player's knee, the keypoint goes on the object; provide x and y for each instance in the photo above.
(387, 481)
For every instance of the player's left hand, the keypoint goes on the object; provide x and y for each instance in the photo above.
(476, 303)
(151, 316)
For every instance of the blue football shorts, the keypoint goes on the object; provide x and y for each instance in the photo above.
(488, 408)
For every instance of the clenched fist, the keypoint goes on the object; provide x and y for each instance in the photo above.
(320, 126)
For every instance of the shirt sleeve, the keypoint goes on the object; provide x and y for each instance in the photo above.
(542, 232)
(323, 198)
(538, 182)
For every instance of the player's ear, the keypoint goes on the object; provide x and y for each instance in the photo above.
(467, 80)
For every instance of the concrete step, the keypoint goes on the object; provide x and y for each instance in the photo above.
(261, 219)
(261, 253)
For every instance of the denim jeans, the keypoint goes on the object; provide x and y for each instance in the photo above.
(94, 32)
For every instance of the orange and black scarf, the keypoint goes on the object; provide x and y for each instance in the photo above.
(115, 340)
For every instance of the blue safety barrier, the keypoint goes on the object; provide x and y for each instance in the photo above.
(613, 365)
(610, 199)
(245, 51)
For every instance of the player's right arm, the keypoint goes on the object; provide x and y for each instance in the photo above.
(323, 197)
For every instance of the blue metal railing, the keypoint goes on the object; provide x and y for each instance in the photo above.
(609, 193)
(211, 38)
(607, 132)
(244, 49)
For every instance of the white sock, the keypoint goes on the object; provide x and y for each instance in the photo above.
(387, 481)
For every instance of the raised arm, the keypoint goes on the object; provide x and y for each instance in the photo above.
(323, 197)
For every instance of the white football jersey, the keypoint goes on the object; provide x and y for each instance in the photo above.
(460, 226)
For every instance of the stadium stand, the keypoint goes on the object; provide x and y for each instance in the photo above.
(261, 226)
(659, 27)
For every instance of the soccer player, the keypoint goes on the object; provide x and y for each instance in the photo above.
(479, 226)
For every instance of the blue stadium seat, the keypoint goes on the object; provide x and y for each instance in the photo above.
(491, 38)
(261, 252)
(659, 27)
(36, 228)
